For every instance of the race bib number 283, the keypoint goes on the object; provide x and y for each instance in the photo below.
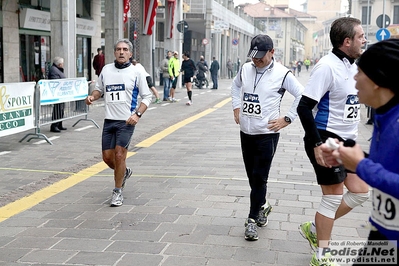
(251, 105)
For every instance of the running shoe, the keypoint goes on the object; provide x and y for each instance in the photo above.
(117, 198)
(128, 173)
(251, 231)
(158, 101)
(326, 260)
(311, 237)
(189, 103)
(263, 213)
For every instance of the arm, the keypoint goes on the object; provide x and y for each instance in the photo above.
(374, 174)
(236, 97)
(295, 88)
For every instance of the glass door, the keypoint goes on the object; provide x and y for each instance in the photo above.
(83, 60)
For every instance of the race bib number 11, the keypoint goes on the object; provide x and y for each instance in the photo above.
(115, 93)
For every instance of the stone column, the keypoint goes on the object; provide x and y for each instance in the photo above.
(63, 34)
(113, 27)
(11, 50)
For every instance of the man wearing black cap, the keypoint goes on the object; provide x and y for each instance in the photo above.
(378, 87)
(330, 108)
(257, 91)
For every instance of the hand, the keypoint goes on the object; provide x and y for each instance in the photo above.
(277, 124)
(133, 120)
(350, 156)
(237, 115)
(328, 156)
(89, 99)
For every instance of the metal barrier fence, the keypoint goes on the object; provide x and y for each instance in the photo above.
(59, 95)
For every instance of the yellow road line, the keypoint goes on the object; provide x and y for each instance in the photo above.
(35, 198)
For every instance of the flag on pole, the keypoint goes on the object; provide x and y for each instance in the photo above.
(170, 18)
(149, 14)
(126, 7)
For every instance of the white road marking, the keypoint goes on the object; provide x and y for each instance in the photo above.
(44, 141)
(83, 128)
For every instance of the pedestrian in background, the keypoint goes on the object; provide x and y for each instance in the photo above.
(57, 72)
(214, 73)
(188, 69)
(256, 92)
(330, 108)
(229, 66)
(307, 63)
(202, 69)
(165, 75)
(150, 83)
(378, 87)
(121, 83)
(174, 72)
(99, 61)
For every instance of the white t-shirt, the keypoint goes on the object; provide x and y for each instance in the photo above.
(121, 88)
(331, 84)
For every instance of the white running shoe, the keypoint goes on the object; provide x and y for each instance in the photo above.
(117, 199)
(189, 103)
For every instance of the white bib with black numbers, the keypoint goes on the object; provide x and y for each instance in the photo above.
(352, 109)
(251, 105)
(385, 210)
(115, 93)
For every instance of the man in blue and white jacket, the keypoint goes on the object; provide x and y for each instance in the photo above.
(257, 91)
(378, 87)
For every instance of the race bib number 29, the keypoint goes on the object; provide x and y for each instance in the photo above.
(352, 109)
(115, 93)
(251, 105)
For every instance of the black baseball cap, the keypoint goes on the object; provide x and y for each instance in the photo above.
(260, 44)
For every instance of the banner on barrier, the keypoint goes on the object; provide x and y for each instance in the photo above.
(62, 90)
(16, 107)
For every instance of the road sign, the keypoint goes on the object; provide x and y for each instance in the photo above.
(234, 41)
(205, 41)
(382, 34)
(182, 26)
(379, 21)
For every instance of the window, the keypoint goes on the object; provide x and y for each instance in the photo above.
(366, 21)
(83, 9)
(395, 19)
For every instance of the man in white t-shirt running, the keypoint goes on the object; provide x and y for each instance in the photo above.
(121, 83)
(330, 108)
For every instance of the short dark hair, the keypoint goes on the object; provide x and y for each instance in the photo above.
(186, 54)
(343, 28)
(99, 49)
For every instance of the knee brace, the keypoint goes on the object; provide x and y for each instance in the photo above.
(355, 199)
(329, 205)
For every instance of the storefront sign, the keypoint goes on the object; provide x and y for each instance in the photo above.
(85, 27)
(16, 107)
(34, 19)
(41, 20)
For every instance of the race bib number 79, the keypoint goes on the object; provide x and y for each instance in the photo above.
(385, 209)
(251, 105)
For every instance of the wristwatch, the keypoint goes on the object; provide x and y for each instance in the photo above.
(318, 144)
(287, 119)
(138, 113)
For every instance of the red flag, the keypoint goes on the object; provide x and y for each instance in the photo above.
(171, 14)
(126, 7)
(150, 7)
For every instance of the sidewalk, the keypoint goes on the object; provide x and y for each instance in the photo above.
(184, 205)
